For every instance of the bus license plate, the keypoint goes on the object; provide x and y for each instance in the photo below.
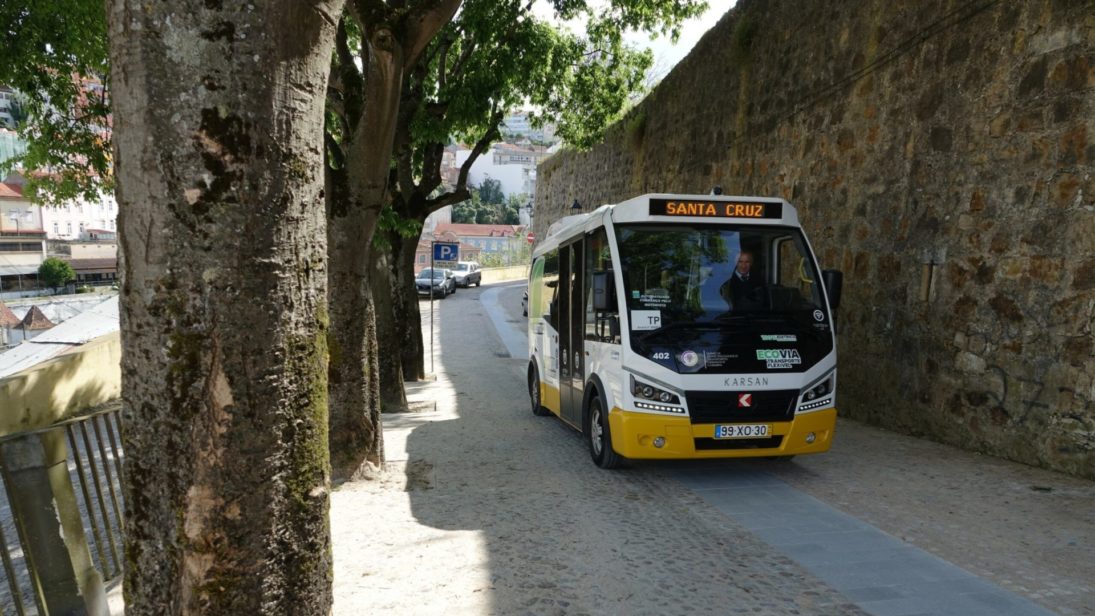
(742, 431)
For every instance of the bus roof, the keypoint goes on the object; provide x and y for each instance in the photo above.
(666, 207)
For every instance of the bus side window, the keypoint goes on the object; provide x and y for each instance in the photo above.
(549, 292)
(792, 281)
(536, 290)
(601, 325)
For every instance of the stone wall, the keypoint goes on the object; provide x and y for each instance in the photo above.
(940, 154)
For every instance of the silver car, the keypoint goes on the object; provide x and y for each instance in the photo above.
(435, 282)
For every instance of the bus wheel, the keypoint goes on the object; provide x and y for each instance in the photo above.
(534, 393)
(600, 439)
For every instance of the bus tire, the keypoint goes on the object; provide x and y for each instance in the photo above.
(538, 408)
(599, 437)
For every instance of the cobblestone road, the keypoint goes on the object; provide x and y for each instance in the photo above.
(486, 509)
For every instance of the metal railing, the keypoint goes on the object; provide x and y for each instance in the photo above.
(90, 448)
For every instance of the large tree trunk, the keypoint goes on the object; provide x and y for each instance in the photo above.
(393, 397)
(218, 117)
(408, 319)
(356, 437)
(394, 37)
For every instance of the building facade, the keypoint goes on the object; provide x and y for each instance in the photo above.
(22, 239)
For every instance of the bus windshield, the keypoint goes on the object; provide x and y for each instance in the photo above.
(720, 291)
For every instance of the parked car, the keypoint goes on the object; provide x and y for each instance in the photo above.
(436, 282)
(467, 273)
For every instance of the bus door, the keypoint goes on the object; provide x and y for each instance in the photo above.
(571, 328)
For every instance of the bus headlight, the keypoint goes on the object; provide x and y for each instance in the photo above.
(649, 392)
(650, 398)
(818, 394)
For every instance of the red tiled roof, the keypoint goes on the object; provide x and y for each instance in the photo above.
(10, 191)
(36, 320)
(7, 317)
(477, 230)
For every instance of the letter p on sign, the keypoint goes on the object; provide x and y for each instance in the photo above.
(446, 251)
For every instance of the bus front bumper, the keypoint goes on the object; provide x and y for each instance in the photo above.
(635, 435)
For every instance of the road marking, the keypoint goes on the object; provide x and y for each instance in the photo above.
(879, 572)
(515, 339)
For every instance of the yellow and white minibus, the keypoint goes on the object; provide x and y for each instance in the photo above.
(684, 326)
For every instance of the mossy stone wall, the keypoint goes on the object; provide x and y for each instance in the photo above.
(941, 154)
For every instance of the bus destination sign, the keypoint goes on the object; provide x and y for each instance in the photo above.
(713, 208)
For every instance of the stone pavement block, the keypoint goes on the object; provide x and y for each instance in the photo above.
(817, 555)
(874, 593)
(918, 606)
(716, 479)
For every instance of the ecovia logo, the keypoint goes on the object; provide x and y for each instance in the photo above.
(779, 358)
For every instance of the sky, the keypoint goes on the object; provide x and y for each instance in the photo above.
(668, 54)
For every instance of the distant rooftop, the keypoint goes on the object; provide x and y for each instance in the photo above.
(93, 323)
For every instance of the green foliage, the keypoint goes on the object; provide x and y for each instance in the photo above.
(497, 55)
(55, 272)
(55, 54)
(490, 191)
(476, 211)
(390, 220)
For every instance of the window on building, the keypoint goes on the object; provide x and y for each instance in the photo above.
(56, 228)
(69, 225)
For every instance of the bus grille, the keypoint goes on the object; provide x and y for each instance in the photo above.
(722, 406)
(771, 442)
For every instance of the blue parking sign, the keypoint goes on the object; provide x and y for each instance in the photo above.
(446, 251)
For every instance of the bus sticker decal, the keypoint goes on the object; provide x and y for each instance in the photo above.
(717, 359)
(779, 337)
(646, 319)
(779, 358)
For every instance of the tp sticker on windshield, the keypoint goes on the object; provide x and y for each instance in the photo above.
(646, 319)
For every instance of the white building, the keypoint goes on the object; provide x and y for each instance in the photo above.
(76, 220)
(7, 96)
(514, 166)
(22, 239)
(81, 219)
(519, 124)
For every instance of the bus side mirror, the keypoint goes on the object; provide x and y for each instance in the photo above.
(834, 280)
(604, 298)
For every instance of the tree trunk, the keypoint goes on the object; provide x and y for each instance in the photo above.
(356, 436)
(408, 319)
(218, 118)
(394, 36)
(393, 397)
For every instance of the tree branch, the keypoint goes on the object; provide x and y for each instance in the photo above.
(334, 150)
(465, 55)
(422, 23)
(480, 146)
(350, 78)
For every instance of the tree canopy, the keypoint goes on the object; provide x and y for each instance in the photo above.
(56, 272)
(55, 55)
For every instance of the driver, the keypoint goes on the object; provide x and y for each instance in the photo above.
(743, 287)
